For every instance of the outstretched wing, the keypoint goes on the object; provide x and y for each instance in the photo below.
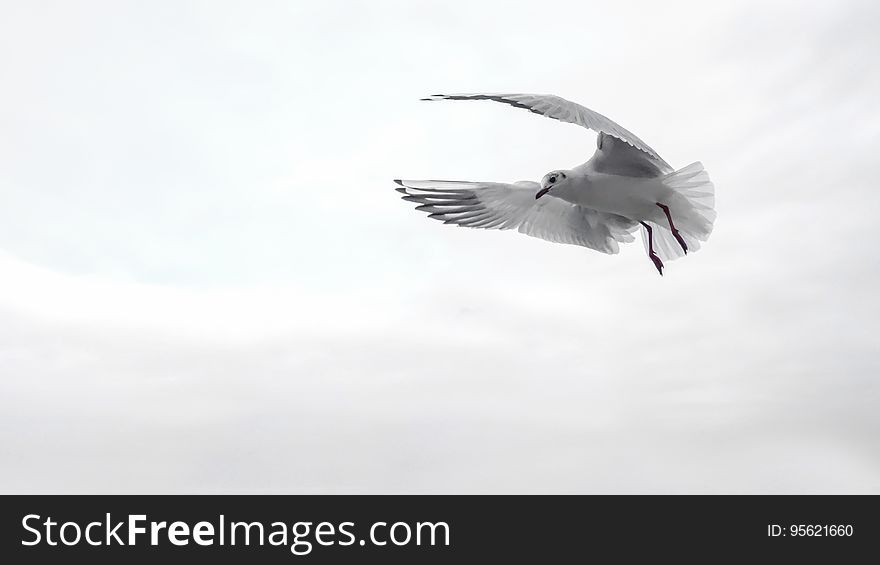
(492, 205)
(564, 111)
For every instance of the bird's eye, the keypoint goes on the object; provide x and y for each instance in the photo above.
(552, 180)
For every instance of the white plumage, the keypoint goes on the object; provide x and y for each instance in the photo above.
(597, 204)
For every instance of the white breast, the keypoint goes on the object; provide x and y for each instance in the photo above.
(631, 197)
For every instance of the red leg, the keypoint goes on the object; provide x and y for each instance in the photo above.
(675, 233)
(656, 260)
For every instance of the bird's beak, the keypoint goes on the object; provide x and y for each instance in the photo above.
(542, 192)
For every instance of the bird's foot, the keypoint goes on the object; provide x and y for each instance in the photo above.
(675, 233)
(680, 240)
(657, 262)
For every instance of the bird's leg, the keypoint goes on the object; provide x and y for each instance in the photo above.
(656, 260)
(675, 233)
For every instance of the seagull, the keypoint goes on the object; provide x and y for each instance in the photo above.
(625, 185)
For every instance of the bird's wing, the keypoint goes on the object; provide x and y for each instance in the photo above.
(492, 205)
(614, 157)
(562, 110)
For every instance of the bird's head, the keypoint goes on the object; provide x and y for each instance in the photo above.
(552, 181)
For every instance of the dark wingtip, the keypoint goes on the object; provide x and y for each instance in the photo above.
(398, 181)
(402, 190)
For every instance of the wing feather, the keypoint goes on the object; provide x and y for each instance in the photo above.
(489, 205)
(563, 110)
(614, 157)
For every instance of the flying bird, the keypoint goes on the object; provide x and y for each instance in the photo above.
(625, 185)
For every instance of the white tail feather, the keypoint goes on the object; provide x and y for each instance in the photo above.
(692, 207)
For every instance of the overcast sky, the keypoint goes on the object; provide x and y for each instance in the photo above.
(207, 283)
